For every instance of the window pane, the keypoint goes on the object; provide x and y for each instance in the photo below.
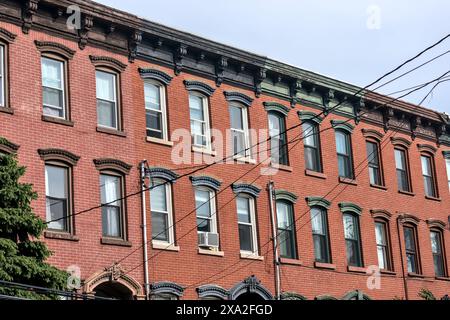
(309, 134)
(56, 210)
(158, 198)
(350, 227)
(353, 253)
(447, 161)
(411, 262)
(317, 221)
(400, 159)
(278, 142)
(238, 139)
(152, 96)
(111, 221)
(372, 153)
(320, 248)
(287, 246)
(426, 166)
(246, 237)
(56, 182)
(284, 218)
(106, 86)
(435, 242)
(160, 226)
(243, 209)
(154, 123)
(202, 203)
(237, 119)
(52, 97)
(196, 107)
(51, 73)
(2, 76)
(409, 239)
(106, 112)
(203, 225)
(381, 253)
(341, 143)
(110, 190)
(380, 233)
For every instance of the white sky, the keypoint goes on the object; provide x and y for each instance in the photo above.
(328, 37)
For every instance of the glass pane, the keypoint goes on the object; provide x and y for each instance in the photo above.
(284, 215)
(56, 210)
(160, 226)
(106, 86)
(287, 247)
(196, 107)
(237, 120)
(402, 180)
(51, 73)
(152, 96)
(350, 228)
(309, 134)
(52, 97)
(274, 125)
(409, 239)
(246, 237)
(203, 225)
(110, 189)
(400, 159)
(317, 221)
(2, 76)
(429, 186)
(344, 166)
(438, 265)
(56, 182)
(154, 120)
(158, 198)
(374, 175)
(111, 221)
(353, 253)
(435, 242)
(320, 248)
(238, 139)
(426, 166)
(202, 203)
(380, 233)
(342, 143)
(381, 257)
(447, 161)
(411, 262)
(243, 209)
(372, 153)
(106, 113)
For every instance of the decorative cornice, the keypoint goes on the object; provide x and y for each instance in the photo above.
(381, 213)
(259, 77)
(251, 285)
(350, 207)
(133, 42)
(59, 155)
(54, 47)
(409, 218)
(178, 57)
(29, 10)
(155, 74)
(342, 125)
(278, 107)
(435, 223)
(7, 146)
(211, 290)
(446, 154)
(206, 182)
(294, 87)
(285, 195)
(102, 61)
(87, 22)
(166, 287)
(238, 97)
(192, 85)
(399, 141)
(7, 36)
(292, 296)
(112, 164)
(246, 188)
(221, 65)
(162, 173)
(374, 134)
(318, 202)
(309, 116)
(427, 148)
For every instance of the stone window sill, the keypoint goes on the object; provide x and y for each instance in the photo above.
(7, 110)
(443, 278)
(165, 246)
(204, 151)
(323, 265)
(433, 198)
(315, 174)
(407, 193)
(415, 275)
(60, 236)
(356, 269)
(251, 256)
(211, 252)
(61, 121)
(349, 181)
(111, 131)
(293, 262)
(388, 272)
(282, 167)
(376, 186)
(160, 141)
(115, 242)
(244, 160)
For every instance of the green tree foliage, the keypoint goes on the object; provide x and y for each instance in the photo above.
(426, 294)
(22, 256)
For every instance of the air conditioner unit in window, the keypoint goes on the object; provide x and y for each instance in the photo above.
(208, 239)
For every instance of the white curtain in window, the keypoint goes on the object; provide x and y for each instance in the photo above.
(105, 86)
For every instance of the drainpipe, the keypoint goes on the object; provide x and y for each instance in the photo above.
(143, 165)
(275, 242)
(405, 282)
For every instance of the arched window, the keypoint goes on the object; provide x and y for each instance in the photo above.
(248, 236)
(429, 175)
(165, 291)
(161, 209)
(6, 38)
(437, 248)
(352, 239)
(401, 146)
(344, 154)
(373, 151)
(239, 130)
(286, 229)
(382, 237)
(319, 223)
(278, 138)
(447, 163)
(411, 248)
(311, 142)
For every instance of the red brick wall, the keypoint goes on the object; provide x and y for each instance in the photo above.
(188, 267)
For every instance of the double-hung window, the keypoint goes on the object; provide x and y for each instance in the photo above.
(412, 256)
(155, 108)
(447, 162)
(286, 229)
(53, 87)
(161, 208)
(247, 224)
(428, 176)
(200, 127)
(402, 169)
(437, 249)
(344, 153)
(206, 210)
(278, 138)
(112, 205)
(312, 146)
(107, 102)
(373, 155)
(2, 76)
(57, 193)
(383, 246)
(320, 235)
(239, 130)
(352, 240)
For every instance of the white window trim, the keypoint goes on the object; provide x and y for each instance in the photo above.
(447, 163)
(2, 74)
(68, 195)
(62, 89)
(205, 106)
(245, 131)
(170, 230)
(163, 106)
(252, 209)
(116, 109)
(212, 207)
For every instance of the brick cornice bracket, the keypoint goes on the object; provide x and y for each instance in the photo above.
(47, 46)
(327, 97)
(58, 155)
(238, 97)
(199, 86)
(295, 86)
(278, 107)
(178, 56)
(358, 107)
(166, 287)
(388, 114)
(7, 36)
(83, 33)
(398, 141)
(373, 134)
(259, 77)
(102, 61)
(155, 75)
(7, 146)
(112, 164)
(437, 224)
(221, 64)
(427, 148)
(133, 42)
(29, 9)
(415, 123)
(381, 213)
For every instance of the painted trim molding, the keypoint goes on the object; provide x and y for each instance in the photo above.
(112, 164)
(309, 116)
(381, 213)
(155, 74)
(277, 107)
(250, 285)
(350, 207)
(211, 290)
(192, 85)
(286, 195)
(402, 142)
(7, 36)
(318, 202)
(246, 188)
(7, 146)
(233, 96)
(166, 287)
(371, 133)
(206, 182)
(162, 173)
(59, 155)
(102, 61)
(342, 125)
(54, 47)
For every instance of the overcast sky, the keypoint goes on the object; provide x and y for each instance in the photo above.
(342, 39)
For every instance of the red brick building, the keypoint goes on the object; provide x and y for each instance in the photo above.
(83, 107)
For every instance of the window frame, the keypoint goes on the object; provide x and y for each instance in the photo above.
(122, 215)
(69, 223)
(164, 110)
(317, 149)
(389, 264)
(358, 241)
(117, 97)
(170, 219)
(349, 156)
(245, 131)
(206, 120)
(212, 206)
(416, 252)
(252, 224)
(292, 230)
(442, 255)
(326, 236)
(447, 165)
(380, 163)
(406, 170)
(432, 168)
(282, 137)
(3, 74)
